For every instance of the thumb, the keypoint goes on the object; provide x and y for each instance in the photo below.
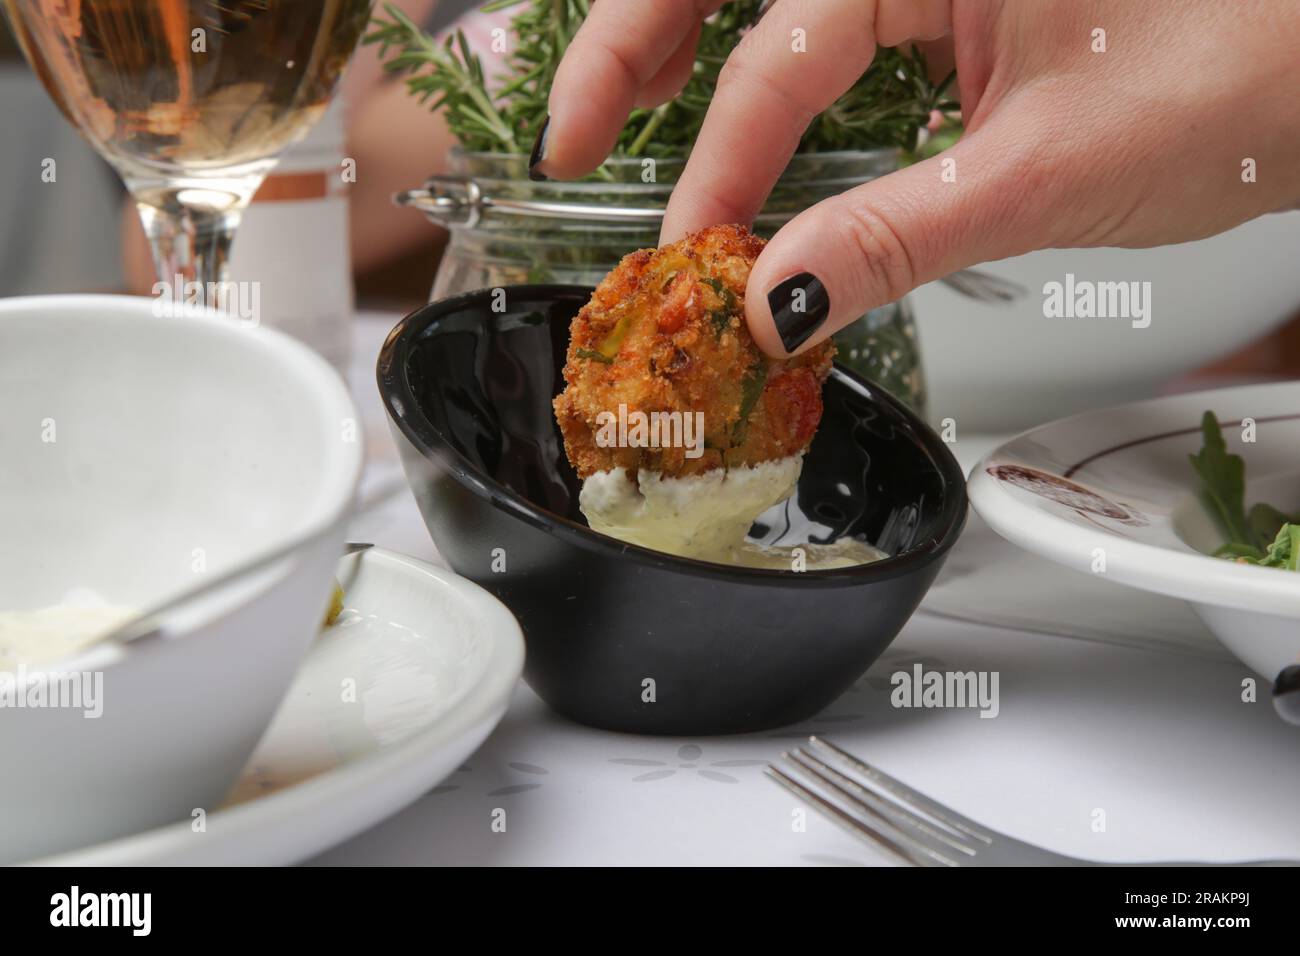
(871, 245)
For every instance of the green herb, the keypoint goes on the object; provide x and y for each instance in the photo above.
(750, 390)
(888, 105)
(450, 76)
(594, 355)
(1223, 488)
(721, 318)
(717, 285)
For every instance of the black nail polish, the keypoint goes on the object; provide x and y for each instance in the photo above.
(799, 306)
(539, 152)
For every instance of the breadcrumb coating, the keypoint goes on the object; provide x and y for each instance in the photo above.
(665, 332)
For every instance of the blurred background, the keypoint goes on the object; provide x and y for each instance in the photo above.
(1225, 310)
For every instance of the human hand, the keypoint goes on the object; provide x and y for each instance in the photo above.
(1136, 138)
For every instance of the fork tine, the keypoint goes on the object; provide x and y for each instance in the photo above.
(961, 284)
(906, 795)
(855, 825)
(997, 289)
(984, 286)
(897, 814)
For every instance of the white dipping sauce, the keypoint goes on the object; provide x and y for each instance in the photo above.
(707, 516)
(41, 636)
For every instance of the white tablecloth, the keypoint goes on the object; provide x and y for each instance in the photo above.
(1127, 741)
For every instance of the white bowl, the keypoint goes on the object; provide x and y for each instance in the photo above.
(141, 452)
(439, 659)
(1112, 493)
(999, 368)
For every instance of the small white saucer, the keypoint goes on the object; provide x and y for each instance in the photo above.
(388, 702)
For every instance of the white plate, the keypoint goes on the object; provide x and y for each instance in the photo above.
(1112, 493)
(433, 660)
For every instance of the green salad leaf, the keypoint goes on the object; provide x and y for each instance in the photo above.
(1223, 483)
(1265, 535)
(1284, 551)
(1267, 521)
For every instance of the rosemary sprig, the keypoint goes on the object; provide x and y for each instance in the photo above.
(888, 106)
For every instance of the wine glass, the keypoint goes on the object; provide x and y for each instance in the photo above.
(191, 101)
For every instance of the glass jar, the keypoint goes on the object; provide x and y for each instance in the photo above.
(506, 229)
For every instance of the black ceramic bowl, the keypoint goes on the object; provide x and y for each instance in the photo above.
(631, 639)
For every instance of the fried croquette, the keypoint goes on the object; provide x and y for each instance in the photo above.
(665, 332)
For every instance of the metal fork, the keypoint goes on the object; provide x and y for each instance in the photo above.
(984, 286)
(875, 807)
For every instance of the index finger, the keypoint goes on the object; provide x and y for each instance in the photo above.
(800, 58)
(619, 48)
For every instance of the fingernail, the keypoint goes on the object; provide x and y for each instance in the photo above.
(539, 152)
(799, 306)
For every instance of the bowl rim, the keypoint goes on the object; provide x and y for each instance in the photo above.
(405, 413)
